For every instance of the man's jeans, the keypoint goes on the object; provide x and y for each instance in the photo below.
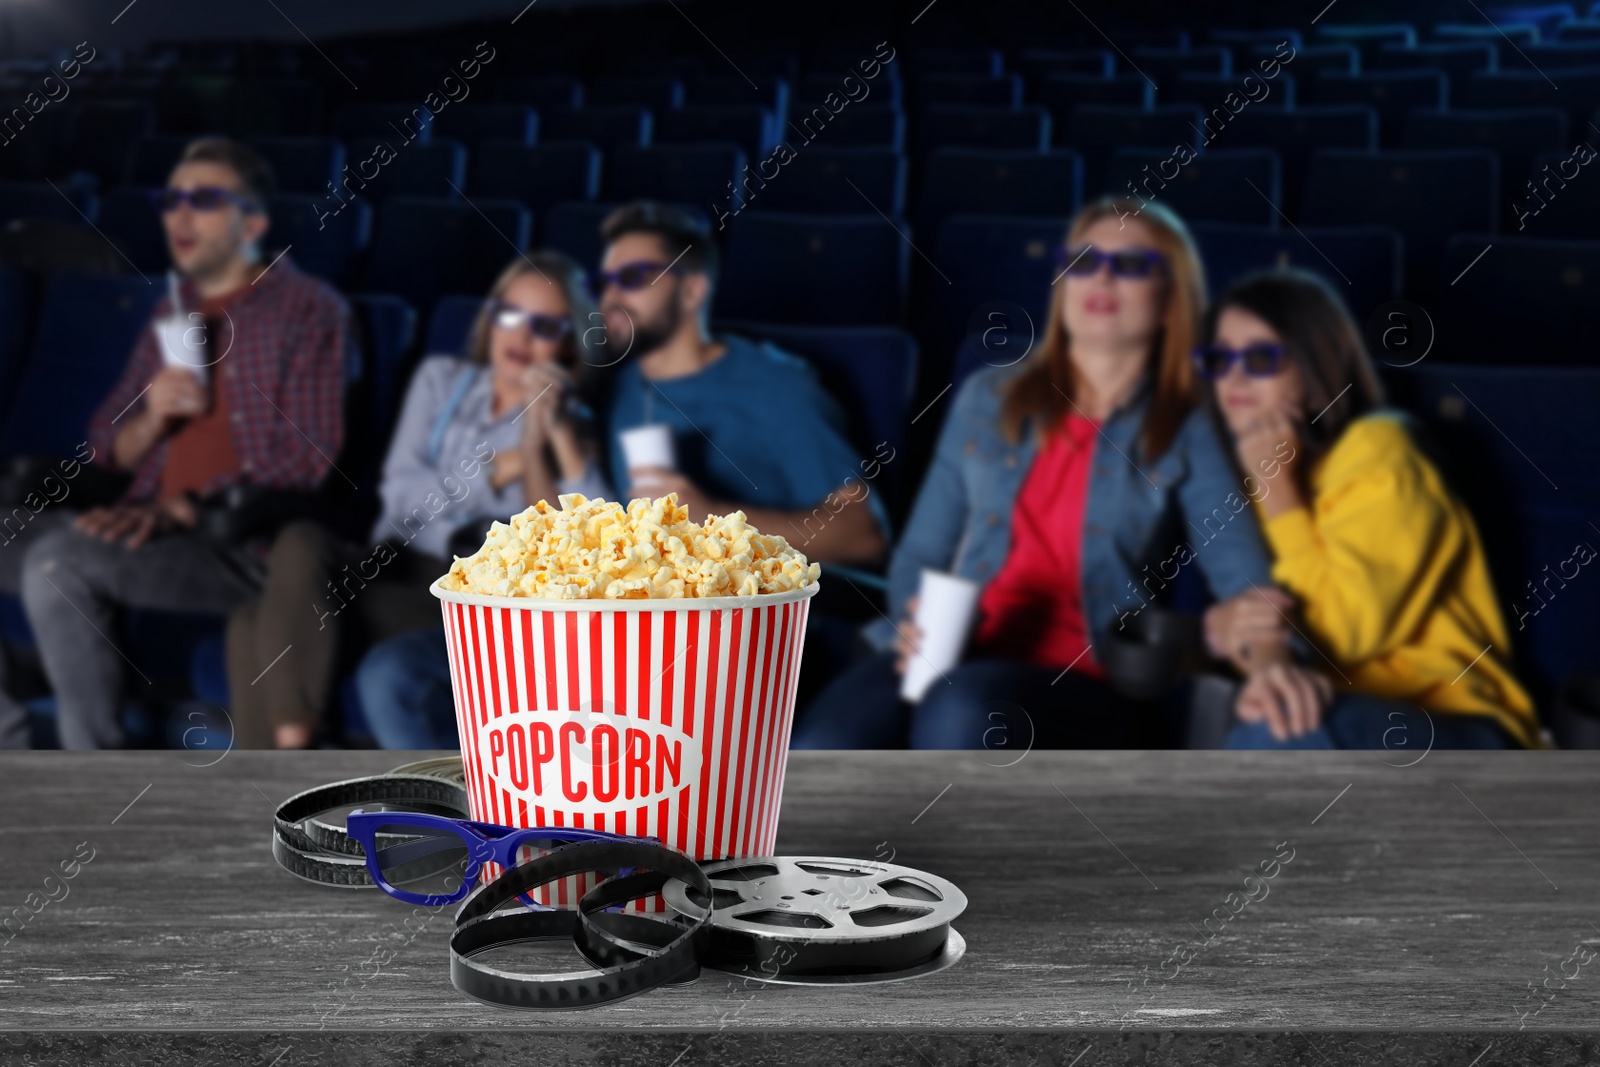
(72, 584)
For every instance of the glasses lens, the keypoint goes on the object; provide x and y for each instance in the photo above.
(548, 328)
(1212, 361)
(1261, 360)
(421, 859)
(1132, 262)
(634, 276)
(1083, 260)
(508, 318)
(207, 198)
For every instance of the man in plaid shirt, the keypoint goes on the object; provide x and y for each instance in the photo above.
(243, 384)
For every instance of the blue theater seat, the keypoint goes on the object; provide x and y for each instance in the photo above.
(438, 168)
(1095, 132)
(540, 90)
(1579, 30)
(325, 239)
(472, 124)
(301, 164)
(658, 92)
(978, 62)
(16, 300)
(450, 323)
(1527, 301)
(1296, 134)
(772, 93)
(152, 159)
(574, 228)
(1578, 95)
(1427, 196)
(1166, 64)
(697, 172)
(103, 134)
(1239, 185)
(1212, 90)
(749, 126)
(1392, 94)
(398, 120)
(605, 127)
(1233, 37)
(985, 127)
(130, 222)
(1517, 136)
(1038, 63)
(1001, 270)
(1521, 34)
(819, 269)
(1458, 60)
(87, 329)
(837, 180)
(865, 125)
(1362, 262)
(278, 107)
(1312, 60)
(1518, 447)
(422, 247)
(812, 90)
(1545, 16)
(1563, 208)
(386, 326)
(971, 90)
(1063, 92)
(1369, 35)
(38, 200)
(973, 181)
(537, 176)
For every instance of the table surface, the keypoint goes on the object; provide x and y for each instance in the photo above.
(1423, 905)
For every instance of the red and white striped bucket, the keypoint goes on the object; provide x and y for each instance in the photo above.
(653, 718)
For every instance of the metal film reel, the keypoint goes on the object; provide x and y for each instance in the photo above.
(447, 767)
(824, 919)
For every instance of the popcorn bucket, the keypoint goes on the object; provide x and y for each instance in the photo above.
(664, 718)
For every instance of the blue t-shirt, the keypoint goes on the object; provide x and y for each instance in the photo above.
(754, 426)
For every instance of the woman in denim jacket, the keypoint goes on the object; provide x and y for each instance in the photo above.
(1072, 487)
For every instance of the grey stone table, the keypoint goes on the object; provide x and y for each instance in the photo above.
(1139, 908)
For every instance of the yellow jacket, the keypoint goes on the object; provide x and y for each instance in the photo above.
(1393, 583)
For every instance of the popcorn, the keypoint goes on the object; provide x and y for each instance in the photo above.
(599, 550)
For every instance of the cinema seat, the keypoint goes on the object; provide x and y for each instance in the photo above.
(450, 323)
(1000, 272)
(841, 180)
(87, 329)
(1063, 92)
(697, 172)
(1362, 263)
(985, 127)
(324, 238)
(1166, 64)
(1427, 196)
(301, 164)
(1096, 132)
(864, 125)
(422, 247)
(396, 119)
(71, 203)
(749, 126)
(103, 135)
(386, 327)
(540, 90)
(152, 159)
(1394, 95)
(472, 124)
(605, 127)
(130, 222)
(970, 90)
(1516, 136)
(1239, 185)
(976, 181)
(1527, 301)
(658, 92)
(818, 269)
(537, 176)
(438, 168)
(1295, 135)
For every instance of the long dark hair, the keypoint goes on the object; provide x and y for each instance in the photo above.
(1320, 340)
(1041, 392)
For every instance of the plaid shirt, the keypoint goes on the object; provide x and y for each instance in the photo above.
(283, 380)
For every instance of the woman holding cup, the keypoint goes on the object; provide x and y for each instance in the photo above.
(1063, 493)
(478, 437)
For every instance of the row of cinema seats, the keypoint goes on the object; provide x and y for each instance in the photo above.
(1517, 441)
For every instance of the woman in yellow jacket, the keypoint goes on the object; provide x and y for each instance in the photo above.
(1378, 565)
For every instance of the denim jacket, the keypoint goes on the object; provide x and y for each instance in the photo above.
(1142, 520)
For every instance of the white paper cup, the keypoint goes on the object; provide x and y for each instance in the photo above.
(649, 446)
(184, 343)
(945, 609)
(652, 718)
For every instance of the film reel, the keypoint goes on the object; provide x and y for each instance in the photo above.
(447, 767)
(823, 919)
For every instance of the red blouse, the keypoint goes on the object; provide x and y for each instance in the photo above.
(1033, 610)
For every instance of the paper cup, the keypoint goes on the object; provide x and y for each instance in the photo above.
(184, 343)
(945, 609)
(649, 446)
(652, 718)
